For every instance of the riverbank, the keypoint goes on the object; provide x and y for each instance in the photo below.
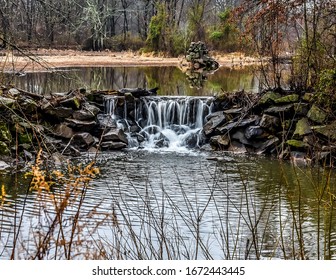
(45, 59)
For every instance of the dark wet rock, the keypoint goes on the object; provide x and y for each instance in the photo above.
(112, 145)
(251, 120)
(88, 112)
(255, 132)
(93, 109)
(237, 148)
(115, 134)
(6, 102)
(240, 136)
(220, 141)
(106, 121)
(301, 109)
(316, 114)
(60, 112)
(268, 145)
(191, 140)
(284, 109)
(214, 120)
(28, 105)
(83, 139)
(271, 123)
(81, 125)
(73, 102)
(64, 131)
(161, 141)
(234, 111)
(302, 128)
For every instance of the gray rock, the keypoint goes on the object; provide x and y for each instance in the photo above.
(4, 165)
(83, 115)
(64, 131)
(255, 132)
(242, 123)
(269, 122)
(115, 134)
(60, 112)
(83, 139)
(268, 145)
(6, 102)
(106, 121)
(240, 136)
(284, 109)
(220, 141)
(237, 148)
(214, 120)
(111, 145)
(316, 114)
(302, 128)
(78, 124)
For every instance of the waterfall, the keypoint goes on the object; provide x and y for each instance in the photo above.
(170, 123)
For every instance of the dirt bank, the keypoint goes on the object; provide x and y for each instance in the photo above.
(43, 59)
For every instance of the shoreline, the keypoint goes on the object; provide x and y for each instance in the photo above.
(48, 60)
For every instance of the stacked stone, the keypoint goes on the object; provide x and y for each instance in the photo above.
(198, 57)
(289, 126)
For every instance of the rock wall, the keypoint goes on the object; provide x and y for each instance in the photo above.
(60, 123)
(288, 126)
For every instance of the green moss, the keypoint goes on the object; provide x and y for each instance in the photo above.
(302, 127)
(292, 98)
(5, 134)
(316, 114)
(25, 138)
(296, 143)
(4, 150)
(269, 97)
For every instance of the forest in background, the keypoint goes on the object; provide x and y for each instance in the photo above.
(303, 30)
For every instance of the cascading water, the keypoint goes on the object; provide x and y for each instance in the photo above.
(173, 123)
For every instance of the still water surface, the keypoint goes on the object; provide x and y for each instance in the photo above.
(237, 208)
(170, 80)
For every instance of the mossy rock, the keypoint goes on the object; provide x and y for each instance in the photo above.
(296, 144)
(6, 102)
(291, 98)
(5, 134)
(301, 109)
(302, 128)
(25, 138)
(269, 98)
(316, 114)
(328, 131)
(4, 150)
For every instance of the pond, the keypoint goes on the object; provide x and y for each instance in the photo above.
(170, 80)
(161, 203)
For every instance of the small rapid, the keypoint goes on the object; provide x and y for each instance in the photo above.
(152, 123)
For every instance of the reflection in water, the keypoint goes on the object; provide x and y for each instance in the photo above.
(183, 206)
(170, 80)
